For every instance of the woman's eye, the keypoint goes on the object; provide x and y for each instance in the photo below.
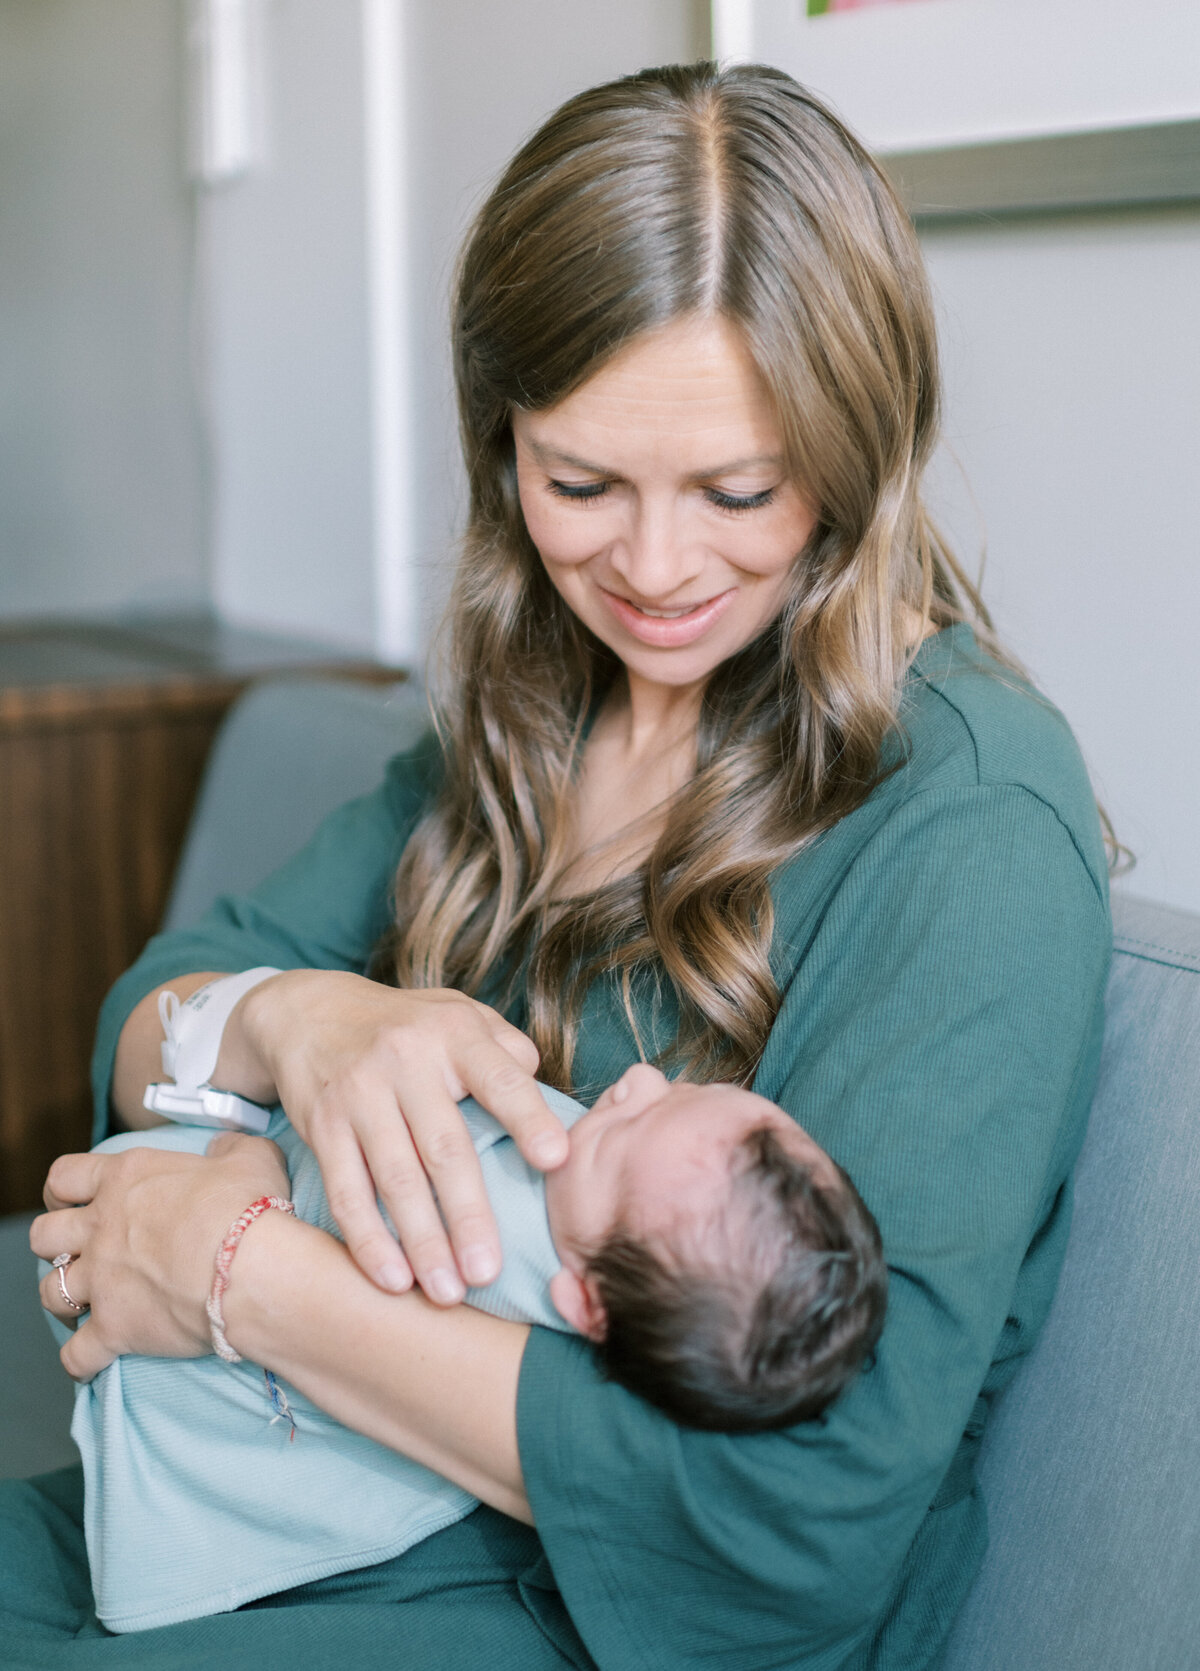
(583, 491)
(739, 501)
(579, 490)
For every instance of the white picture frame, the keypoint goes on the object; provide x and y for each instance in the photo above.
(952, 72)
(1000, 104)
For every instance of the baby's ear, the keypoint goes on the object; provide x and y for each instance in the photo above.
(577, 1301)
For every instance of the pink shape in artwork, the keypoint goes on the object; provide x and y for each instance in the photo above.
(857, 5)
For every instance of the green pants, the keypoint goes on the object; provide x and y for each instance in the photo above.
(478, 1594)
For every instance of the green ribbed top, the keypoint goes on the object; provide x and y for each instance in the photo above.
(942, 954)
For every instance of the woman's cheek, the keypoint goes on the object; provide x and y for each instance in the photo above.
(769, 552)
(564, 537)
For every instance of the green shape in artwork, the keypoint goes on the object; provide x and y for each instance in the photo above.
(817, 8)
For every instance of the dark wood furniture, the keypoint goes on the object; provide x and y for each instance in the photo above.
(104, 731)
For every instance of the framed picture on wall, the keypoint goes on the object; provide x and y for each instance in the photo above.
(998, 104)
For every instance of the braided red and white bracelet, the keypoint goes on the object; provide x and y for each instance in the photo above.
(214, 1306)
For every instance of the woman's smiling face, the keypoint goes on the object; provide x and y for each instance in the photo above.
(658, 498)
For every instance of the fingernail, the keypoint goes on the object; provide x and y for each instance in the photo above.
(479, 1265)
(444, 1287)
(549, 1148)
(395, 1277)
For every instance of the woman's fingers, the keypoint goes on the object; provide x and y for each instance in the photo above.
(410, 1159)
(227, 1142)
(446, 1160)
(511, 1096)
(73, 1179)
(87, 1352)
(254, 1153)
(518, 1044)
(351, 1195)
(483, 1066)
(62, 1231)
(58, 1288)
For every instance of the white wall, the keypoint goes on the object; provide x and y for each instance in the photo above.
(1072, 348)
(288, 347)
(293, 346)
(101, 464)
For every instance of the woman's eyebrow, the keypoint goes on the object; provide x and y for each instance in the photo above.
(774, 460)
(548, 455)
(552, 455)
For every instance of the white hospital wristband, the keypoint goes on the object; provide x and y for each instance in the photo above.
(189, 1054)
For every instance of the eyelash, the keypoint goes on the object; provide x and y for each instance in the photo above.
(739, 502)
(584, 492)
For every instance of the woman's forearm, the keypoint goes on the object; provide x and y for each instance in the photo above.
(438, 1385)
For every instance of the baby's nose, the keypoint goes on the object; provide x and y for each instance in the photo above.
(640, 1080)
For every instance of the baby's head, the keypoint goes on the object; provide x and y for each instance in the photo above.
(722, 1264)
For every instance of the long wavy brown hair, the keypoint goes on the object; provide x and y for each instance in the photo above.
(683, 191)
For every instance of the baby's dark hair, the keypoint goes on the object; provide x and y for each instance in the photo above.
(758, 1319)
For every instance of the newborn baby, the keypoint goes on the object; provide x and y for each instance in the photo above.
(721, 1264)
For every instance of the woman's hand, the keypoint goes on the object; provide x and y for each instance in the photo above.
(370, 1077)
(144, 1227)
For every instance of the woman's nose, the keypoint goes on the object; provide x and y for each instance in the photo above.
(655, 558)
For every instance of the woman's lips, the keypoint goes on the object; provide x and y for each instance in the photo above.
(668, 632)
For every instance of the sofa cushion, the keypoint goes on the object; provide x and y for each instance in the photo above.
(36, 1398)
(1091, 1466)
(290, 751)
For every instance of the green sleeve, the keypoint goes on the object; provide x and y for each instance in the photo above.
(324, 909)
(939, 1034)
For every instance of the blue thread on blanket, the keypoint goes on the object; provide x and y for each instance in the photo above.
(280, 1405)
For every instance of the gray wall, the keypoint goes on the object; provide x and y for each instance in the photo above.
(1072, 348)
(101, 464)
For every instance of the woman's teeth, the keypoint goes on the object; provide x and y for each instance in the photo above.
(665, 614)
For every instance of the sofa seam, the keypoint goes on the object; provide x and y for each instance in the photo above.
(1170, 959)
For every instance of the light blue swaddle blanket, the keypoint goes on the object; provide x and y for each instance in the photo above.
(196, 1502)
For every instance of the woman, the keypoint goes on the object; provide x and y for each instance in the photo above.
(726, 780)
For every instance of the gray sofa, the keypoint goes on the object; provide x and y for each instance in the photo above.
(1091, 1468)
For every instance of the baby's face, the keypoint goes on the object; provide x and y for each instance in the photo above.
(652, 1152)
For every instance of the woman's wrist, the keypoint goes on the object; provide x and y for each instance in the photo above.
(223, 1266)
(244, 1064)
(263, 1031)
(279, 1255)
